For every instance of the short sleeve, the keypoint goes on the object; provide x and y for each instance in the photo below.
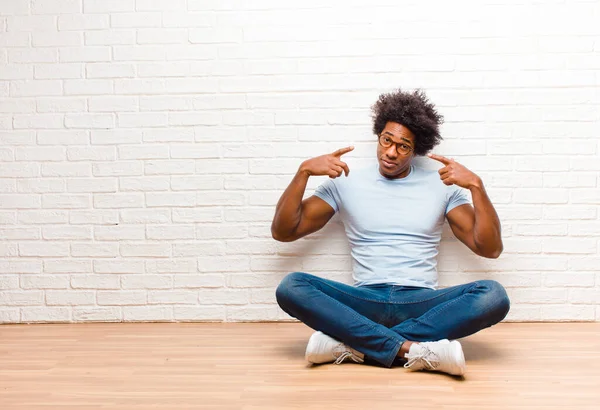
(458, 197)
(328, 192)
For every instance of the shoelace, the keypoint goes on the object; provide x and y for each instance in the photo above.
(425, 357)
(343, 352)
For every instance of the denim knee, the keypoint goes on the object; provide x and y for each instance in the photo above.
(495, 300)
(286, 293)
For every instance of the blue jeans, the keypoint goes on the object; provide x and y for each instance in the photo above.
(377, 319)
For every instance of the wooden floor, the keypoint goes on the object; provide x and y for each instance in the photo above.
(261, 366)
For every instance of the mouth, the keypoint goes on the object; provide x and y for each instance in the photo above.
(387, 164)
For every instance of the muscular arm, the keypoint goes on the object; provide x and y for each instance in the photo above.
(478, 226)
(295, 218)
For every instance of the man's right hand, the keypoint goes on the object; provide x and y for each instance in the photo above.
(329, 164)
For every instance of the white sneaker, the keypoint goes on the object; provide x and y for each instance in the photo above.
(441, 356)
(324, 349)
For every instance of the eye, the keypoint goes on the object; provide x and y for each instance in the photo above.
(387, 140)
(404, 147)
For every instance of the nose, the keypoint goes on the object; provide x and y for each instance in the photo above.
(391, 152)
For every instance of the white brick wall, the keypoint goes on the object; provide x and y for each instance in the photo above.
(144, 144)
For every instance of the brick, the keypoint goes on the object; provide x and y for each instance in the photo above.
(194, 249)
(162, 36)
(95, 282)
(113, 104)
(122, 297)
(42, 217)
(118, 233)
(43, 249)
(199, 281)
(60, 105)
(62, 137)
(252, 313)
(35, 121)
(66, 232)
(171, 266)
(232, 264)
(147, 313)
(9, 282)
(119, 266)
(175, 199)
(66, 170)
(89, 121)
(44, 281)
(88, 87)
(30, 55)
(119, 200)
(109, 37)
(20, 170)
(67, 22)
(35, 88)
(145, 281)
(19, 201)
(115, 137)
(56, 6)
(196, 183)
(199, 313)
(95, 217)
(144, 184)
(67, 266)
(169, 167)
(109, 70)
(136, 20)
(170, 232)
(40, 154)
(146, 249)
(91, 154)
(70, 201)
(137, 120)
(117, 168)
(56, 38)
(87, 54)
(95, 250)
(223, 296)
(172, 297)
(197, 215)
(146, 216)
(45, 314)
(97, 314)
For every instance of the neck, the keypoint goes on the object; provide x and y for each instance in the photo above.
(403, 174)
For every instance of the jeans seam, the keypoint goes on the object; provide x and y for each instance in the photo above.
(348, 294)
(421, 300)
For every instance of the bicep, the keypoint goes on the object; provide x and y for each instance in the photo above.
(315, 214)
(462, 221)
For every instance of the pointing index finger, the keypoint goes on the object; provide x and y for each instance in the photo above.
(440, 158)
(342, 151)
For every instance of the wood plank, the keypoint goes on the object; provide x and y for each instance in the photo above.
(261, 366)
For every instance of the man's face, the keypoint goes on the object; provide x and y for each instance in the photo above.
(393, 164)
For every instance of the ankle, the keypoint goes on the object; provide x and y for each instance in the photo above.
(405, 348)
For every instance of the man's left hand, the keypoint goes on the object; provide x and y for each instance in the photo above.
(454, 173)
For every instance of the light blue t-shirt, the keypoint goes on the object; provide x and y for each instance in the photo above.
(394, 225)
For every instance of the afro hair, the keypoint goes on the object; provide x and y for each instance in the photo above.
(415, 112)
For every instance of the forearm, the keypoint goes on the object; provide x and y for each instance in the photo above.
(486, 230)
(289, 208)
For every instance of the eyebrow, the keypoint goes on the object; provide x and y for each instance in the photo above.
(402, 138)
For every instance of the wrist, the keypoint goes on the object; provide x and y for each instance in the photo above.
(476, 184)
(304, 171)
